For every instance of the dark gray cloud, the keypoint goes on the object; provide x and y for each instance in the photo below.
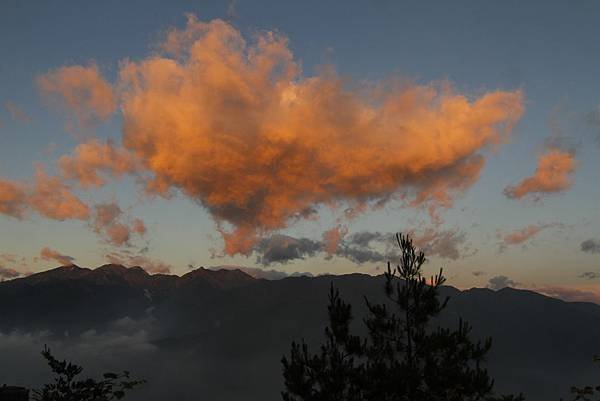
(500, 282)
(589, 275)
(445, 244)
(360, 255)
(365, 238)
(591, 246)
(367, 246)
(283, 248)
(361, 247)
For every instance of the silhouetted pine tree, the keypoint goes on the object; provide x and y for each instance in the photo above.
(402, 358)
(66, 388)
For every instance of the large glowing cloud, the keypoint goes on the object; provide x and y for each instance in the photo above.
(238, 128)
(553, 174)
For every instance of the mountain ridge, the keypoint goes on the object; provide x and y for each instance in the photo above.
(230, 322)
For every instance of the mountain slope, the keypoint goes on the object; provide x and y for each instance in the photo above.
(214, 323)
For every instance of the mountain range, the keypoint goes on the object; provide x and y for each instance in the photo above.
(220, 334)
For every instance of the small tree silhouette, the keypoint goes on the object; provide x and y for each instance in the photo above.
(65, 388)
(586, 393)
(402, 358)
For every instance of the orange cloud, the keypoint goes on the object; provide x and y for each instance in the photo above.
(13, 199)
(48, 196)
(553, 174)
(522, 235)
(139, 227)
(107, 222)
(238, 128)
(52, 255)
(332, 239)
(53, 199)
(93, 159)
(82, 90)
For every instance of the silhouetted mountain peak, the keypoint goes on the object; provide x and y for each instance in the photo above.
(121, 270)
(134, 276)
(68, 272)
(222, 278)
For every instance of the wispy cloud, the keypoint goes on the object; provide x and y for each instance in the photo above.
(110, 222)
(521, 235)
(149, 264)
(47, 195)
(591, 246)
(49, 254)
(7, 273)
(500, 282)
(554, 173)
(589, 275)
(569, 294)
(16, 113)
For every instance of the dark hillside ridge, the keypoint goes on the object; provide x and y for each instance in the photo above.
(236, 324)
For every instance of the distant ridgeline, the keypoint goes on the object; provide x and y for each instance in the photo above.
(192, 330)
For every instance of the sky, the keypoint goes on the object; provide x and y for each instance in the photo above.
(300, 136)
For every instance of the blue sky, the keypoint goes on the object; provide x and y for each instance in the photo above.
(548, 50)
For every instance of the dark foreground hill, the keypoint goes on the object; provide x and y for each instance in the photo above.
(220, 335)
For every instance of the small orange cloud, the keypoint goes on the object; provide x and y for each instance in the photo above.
(139, 227)
(13, 199)
(48, 196)
(108, 222)
(522, 235)
(554, 173)
(332, 238)
(53, 199)
(87, 96)
(93, 159)
(52, 255)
